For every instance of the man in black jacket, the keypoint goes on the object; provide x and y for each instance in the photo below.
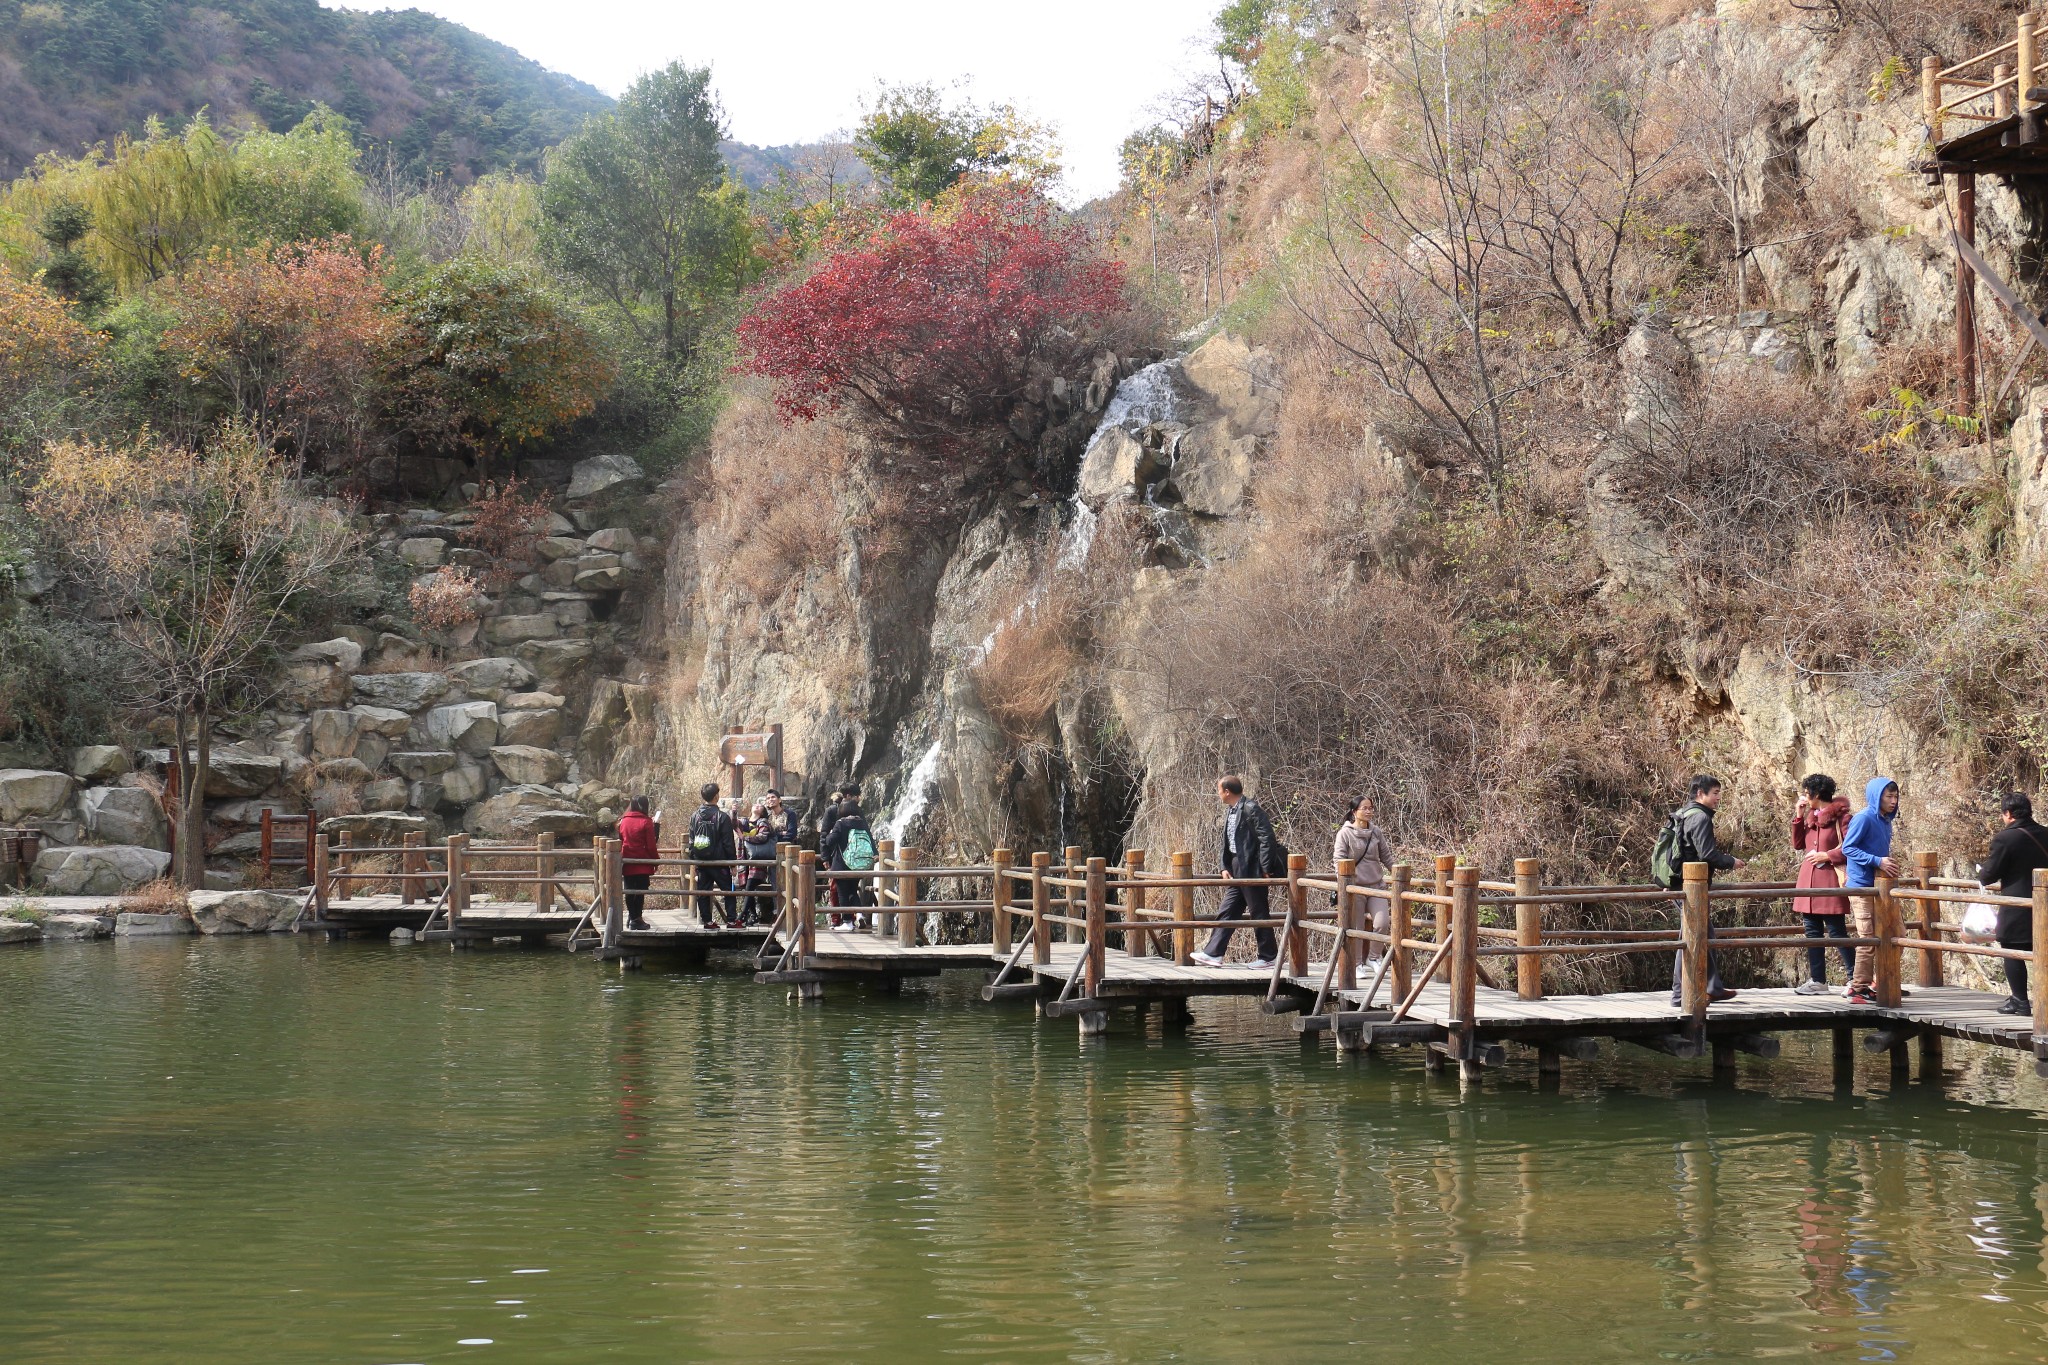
(2015, 852)
(1697, 844)
(711, 839)
(1249, 850)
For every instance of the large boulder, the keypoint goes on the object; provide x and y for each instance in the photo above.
(616, 539)
(243, 912)
(99, 763)
(1212, 469)
(123, 815)
(526, 765)
(26, 792)
(138, 924)
(555, 660)
(381, 720)
(18, 931)
(602, 473)
(380, 829)
(520, 813)
(512, 630)
(492, 679)
(331, 733)
(464, 783)
(469, 727)
(421, 766)
(58, 928)
(388, 793)
(1117, 465)
(318, 674)
(400, 691)
(235, 771)
(542, 726)
(106, 870)
(423, 552)
(1238, 381)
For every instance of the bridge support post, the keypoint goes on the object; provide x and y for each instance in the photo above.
(544, 874)
(884, 888)
(1041, 908)
(1464, 1011)
(457, 853)
(1097, 918)
(1695, 931)
(907, 915)
(1181, 868)
(1346, 947)
(1401, 975)
(2037, 978)
(1139, 942)
(1885, 970)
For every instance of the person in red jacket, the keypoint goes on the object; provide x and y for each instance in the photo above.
(1818, 823)
(639, 845)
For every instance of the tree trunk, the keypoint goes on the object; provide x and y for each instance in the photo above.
(668, 325)
(192, 824)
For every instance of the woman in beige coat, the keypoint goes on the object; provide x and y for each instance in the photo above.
(1363, 843)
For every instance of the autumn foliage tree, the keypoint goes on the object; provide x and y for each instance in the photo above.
(485, 359)
(291, 339)
(927, 329)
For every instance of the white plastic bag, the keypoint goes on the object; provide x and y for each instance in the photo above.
(1980, 921)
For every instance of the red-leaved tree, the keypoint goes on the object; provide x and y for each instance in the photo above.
(928, 329)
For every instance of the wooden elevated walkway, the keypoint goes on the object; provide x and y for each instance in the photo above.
(1460, 967)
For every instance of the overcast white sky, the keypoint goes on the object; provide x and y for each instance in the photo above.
(795, 70)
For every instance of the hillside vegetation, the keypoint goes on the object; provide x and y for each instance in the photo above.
(424, 96)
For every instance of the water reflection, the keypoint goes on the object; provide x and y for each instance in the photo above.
(361, 1149)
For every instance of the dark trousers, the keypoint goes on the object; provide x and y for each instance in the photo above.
(1243, 902)
(2016, 977)
(761, 908)
(712, 908)
(1678, 976)
(636, 897)
(1827, 926)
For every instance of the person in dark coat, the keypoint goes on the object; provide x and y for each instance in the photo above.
(1249, 850)
(847, 892)
(2016, 851)
(1697, 844)
(712, 840)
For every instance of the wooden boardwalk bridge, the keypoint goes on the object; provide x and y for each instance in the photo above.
(1466, 968)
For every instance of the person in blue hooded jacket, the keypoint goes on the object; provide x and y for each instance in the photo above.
(1866, 856)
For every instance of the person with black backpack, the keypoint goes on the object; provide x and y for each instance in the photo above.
(1688, 837)
(712, 840)
(1249, 850)
(849, 846)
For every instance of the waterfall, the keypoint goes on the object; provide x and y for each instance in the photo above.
(916, 796)
(1148, 396)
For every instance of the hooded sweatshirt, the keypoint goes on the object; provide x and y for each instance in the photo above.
(1870, 835)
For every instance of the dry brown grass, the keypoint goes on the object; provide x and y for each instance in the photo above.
(769, 506)
(160, 897)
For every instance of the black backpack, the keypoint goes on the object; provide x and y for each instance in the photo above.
(705, 826)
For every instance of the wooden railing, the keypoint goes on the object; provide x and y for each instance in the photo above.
(1984, 88)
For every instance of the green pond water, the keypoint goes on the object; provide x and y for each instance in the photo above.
(278, 1150)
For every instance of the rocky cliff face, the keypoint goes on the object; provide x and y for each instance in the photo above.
(912, 682)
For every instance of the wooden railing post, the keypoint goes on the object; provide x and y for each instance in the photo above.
(1072, 870)
(317, 856)
(1181, 867)
(999, 901)
(1446, 863)
(1138, 944)
(1401, 973)
(345, 862)
(612, 896)
(408, 865)
(2025, 59)
(457, 853)
(1933, 967)
(1097, 916)
(1885, 969)
(1041, 909)
(1297, 911)
(614, 860)
(1695, 928)
(885, 888)
(807, 905)
(907, 916)
(2001, 98)
(1347, 920)
(1930, 95)
(2037, 979)
(1464, 929)
(544, 874)
(1528, 929)
(264, 855)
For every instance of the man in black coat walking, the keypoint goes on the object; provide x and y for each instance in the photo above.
(1249, 850)
(2015, 852)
